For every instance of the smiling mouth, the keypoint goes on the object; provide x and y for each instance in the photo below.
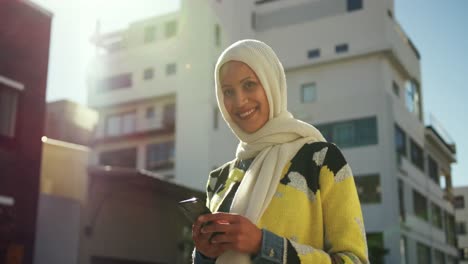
(247, 114)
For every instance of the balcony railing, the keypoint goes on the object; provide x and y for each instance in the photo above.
(439, 130)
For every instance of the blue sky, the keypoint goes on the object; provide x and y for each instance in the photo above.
(437, 28)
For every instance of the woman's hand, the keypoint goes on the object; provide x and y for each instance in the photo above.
(234, 232)
(202, 241)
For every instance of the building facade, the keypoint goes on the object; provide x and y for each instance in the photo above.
(461, 217)
(70, 122)
(351, 70)
(24, 56)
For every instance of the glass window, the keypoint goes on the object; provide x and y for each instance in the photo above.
(376, 248)
(412, 98)
(417, 157)
(315, 53)
(150, 34)
(400, 141)
(8, 108)
(459, 202)
(450, 232)
(308, 93)
(352, 133)
(433, 169)
(171, 28)
(120, 158)
(113, 125)
(461, 228)
(424, 254)
(354, 5)
(171, 69)
(160, 156)
(343, 134)
(128, 123)
(150, 112)
(169, 115)
(439, 257)
(420, 205)
(115, 82)
(148, 74)
(436, 215)
(401, 198)
(341, 48)
(368, 187)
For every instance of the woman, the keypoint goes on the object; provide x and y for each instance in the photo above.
(289, 196)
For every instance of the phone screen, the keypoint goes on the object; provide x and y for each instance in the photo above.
(193, 208)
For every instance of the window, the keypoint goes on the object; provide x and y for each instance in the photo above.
(150, 112)
(169, 115)
(436, 215)
(368, 187)
(308, 93)
(420, 205)
(217, 33)
(354, 5)
(401, 200)
(459, 202)
(424, 254)
(376, 248)
(8, 108)
(438, 257)
(412, 98)
(171, 69)
(352, 133)
(315, 53)
(396, 88)
(115, 82)
(464, 253)
(171, 28)
(120, 158)
(450, 232)
(341, 48)
(160, 156)
(461, 228)
(148, 73)
(120, 124)
(150, 34)
(400, 143)
(417, 157)
(433, 169)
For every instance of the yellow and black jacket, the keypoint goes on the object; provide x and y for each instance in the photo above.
(315, 215)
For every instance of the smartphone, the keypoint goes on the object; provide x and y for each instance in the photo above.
(193, 208)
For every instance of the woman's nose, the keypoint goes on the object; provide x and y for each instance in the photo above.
(241, 99)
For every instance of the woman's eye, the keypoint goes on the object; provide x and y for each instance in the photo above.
(228, 93)
(249, 85)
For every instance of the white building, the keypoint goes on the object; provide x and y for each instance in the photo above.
(461, 217)
(351, 70)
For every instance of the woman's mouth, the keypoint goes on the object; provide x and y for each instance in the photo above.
(247, 114)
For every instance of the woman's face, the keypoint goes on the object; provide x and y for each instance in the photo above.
(244, 97)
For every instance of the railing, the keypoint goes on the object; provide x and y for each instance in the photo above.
(432, 122)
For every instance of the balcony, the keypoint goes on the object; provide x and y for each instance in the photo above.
(437, 134)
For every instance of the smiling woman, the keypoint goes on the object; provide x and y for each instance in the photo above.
(289, 196)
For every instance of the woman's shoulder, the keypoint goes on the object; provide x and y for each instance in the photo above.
(221, 170)
(323, 153)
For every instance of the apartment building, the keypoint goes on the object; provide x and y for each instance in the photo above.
(24, 58)
(351, 71)
(461, 217)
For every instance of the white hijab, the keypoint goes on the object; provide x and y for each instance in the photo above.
(273, 145)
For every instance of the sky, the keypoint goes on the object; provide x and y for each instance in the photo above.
(437, 28)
